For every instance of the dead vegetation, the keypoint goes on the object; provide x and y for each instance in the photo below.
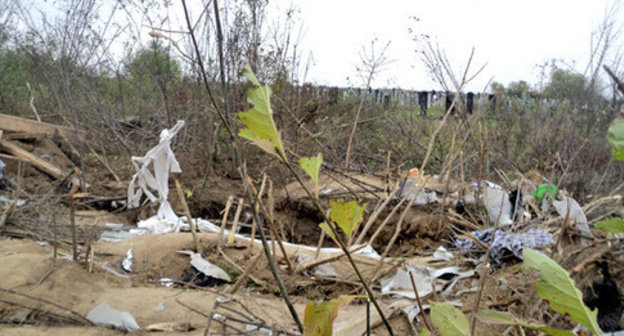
(66, 228)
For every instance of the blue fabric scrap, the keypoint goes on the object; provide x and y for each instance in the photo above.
(505, 242)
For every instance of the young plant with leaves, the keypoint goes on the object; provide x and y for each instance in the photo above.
(261, 131)
(555, 287)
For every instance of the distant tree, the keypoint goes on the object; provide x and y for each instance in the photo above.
(497, 88)
(152, 69)
(13, 78)
(519, 89)
(153, 64)
(566, 85)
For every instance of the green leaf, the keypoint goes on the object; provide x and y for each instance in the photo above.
(496, 317)
(556, 287)
(615, 135)
(424, 332)
(346, 215)
(449, 320)
(503, 318)
(612, 225)
(312, 166)
(261, 129)
(328, 231)
(318, 319)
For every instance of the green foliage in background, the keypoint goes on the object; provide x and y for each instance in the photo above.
(615, 135)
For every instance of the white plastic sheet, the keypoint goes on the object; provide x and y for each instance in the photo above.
(126, 263)
(422, 197)
(104, 315)
(401, 285)
(576, 214)
(206, 266)
(492, 197)
(441, 254)
(152, 180)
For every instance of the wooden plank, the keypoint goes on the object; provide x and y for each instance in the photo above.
(17, 124)
(37, 162)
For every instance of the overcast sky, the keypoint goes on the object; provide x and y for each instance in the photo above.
(511, 36)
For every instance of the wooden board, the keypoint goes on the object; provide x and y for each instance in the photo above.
(37, 162)
(18, 124)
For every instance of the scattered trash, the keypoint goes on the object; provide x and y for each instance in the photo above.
(106, 316)
(144, 181)
(18, 203)
(126, 264)
(160, 307)
(166, 282)
(506, 243)
(2, 166)
(400, 284)
(493, 197)
(441, 254)
(206, 267)
(256, 330)
(546, 192)
(323, 270)
(422, 198)
(575, 213)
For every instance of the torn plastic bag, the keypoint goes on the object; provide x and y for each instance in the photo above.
(104, 315)
(2, 166)
(145, 182)
(441, 254)
(323, 270)
(422, 197)
(126, 263)
(401, 285)
(493, 195)
(576, 214)
(505, 243)
(206, 266)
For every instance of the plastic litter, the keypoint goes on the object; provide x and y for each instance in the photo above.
(106, 316)
(401, 285)
(492, 196)
(160, 307)
(255, 330)
(126, 264)
(506, 243)
(206, 266)
(163, 161)
(2, 166)
(441, 254)
(576, 213)
(545, 191)
(422, 197)
(323, 270)
(18, 203)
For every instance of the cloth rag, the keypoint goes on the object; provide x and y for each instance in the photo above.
(505, 242)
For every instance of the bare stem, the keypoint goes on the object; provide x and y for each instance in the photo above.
(243, 173)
